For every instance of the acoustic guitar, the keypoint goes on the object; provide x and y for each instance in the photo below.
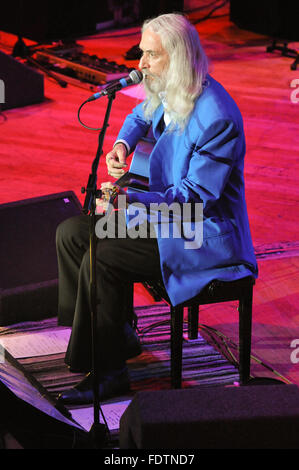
(137, 178)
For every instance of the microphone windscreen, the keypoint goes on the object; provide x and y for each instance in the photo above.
(136, 76)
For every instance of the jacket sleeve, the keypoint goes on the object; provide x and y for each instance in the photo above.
(211, 162)
(134, 128)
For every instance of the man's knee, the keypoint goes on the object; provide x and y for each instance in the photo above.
(68, 229)
(110, 253)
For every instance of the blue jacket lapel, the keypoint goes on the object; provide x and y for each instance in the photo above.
(158, 115)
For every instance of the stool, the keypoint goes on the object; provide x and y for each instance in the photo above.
(215, 292)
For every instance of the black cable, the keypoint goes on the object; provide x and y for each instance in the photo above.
(225, 341)
(226, 352)
(209, 15)
(82, 124)
(148, 328)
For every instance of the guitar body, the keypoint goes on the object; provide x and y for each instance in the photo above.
(137, 178)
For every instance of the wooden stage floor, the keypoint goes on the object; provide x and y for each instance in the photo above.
(44, 150)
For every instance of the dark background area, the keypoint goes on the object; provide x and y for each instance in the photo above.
(56, 20)
(278, 18)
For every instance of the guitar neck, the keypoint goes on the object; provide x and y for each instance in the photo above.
(133, 181)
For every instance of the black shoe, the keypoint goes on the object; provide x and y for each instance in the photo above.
(110, 385)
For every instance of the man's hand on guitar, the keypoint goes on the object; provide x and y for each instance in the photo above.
(116, 160)
(110, 194)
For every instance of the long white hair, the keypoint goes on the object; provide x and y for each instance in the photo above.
(188, 67)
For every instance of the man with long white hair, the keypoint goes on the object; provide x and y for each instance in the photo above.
(198, 158)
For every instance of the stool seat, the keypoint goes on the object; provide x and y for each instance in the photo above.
(215, 292)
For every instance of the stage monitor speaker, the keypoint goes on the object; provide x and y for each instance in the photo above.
(247, 417)
(29, 272)
(20, 84)
(29, 414)
(277, 20)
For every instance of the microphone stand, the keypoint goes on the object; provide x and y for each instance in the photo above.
(98, 431)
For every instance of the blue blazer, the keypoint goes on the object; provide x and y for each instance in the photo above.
(205, 162)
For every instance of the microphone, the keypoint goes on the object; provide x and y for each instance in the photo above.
(133, 78)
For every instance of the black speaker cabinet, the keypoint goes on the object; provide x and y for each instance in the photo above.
(276, 18)
(20, 84)
(29, 272)
(248, 417)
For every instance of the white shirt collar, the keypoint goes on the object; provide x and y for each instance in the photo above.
(167, 116)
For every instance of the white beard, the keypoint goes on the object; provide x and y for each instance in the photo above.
(154, 84)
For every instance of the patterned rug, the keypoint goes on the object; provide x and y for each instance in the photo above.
(203, 365)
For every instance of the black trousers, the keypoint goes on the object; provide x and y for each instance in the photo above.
(119, 262)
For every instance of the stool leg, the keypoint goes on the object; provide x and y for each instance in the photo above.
(193, 322)
(177, 314)
(245, 327)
